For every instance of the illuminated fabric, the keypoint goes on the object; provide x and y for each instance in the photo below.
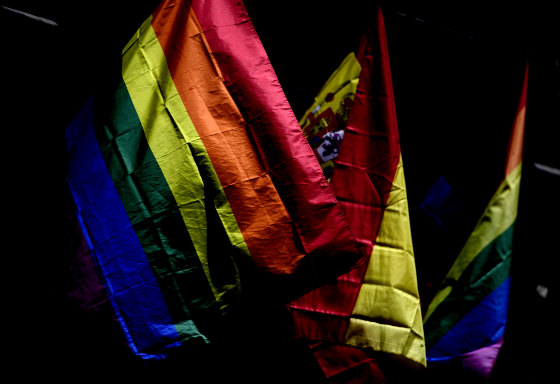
(324, 122)
(376, 306)
(194, 173)
(465, 322)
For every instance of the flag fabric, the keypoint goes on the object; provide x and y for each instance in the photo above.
(194, 175)
(345, 364)
(465, 322)
(324, 121)
(375, 306)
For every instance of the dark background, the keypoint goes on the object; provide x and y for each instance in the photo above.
(457, 69)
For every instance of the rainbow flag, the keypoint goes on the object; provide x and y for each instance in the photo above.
(194, 175)
(465, 322)
(375, 306)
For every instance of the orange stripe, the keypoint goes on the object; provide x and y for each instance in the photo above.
(515, 150)
(256, 204)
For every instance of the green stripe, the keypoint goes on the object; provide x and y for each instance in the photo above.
(183, 160)
(498, 216)
(155, 217)
(489, 270)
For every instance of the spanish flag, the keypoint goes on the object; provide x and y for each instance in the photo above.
(194, 175)
(375, 306)
(324, 122)
(465, 321)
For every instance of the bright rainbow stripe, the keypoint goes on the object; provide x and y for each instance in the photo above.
(466, 319)
(195, 174)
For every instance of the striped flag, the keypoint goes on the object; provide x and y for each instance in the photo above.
(196, 175)
(376, 306)
(465, 322)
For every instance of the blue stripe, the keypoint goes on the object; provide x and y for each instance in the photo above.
(128, 277)
(482, 326)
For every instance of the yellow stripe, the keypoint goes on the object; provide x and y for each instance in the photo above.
(343, 81)
(173, 138)
(498, 216)
(387, 316)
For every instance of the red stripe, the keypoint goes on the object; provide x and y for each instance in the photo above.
(343, 364)
(363, 178)
(252, 196)
(319, 219)
(515, 148)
